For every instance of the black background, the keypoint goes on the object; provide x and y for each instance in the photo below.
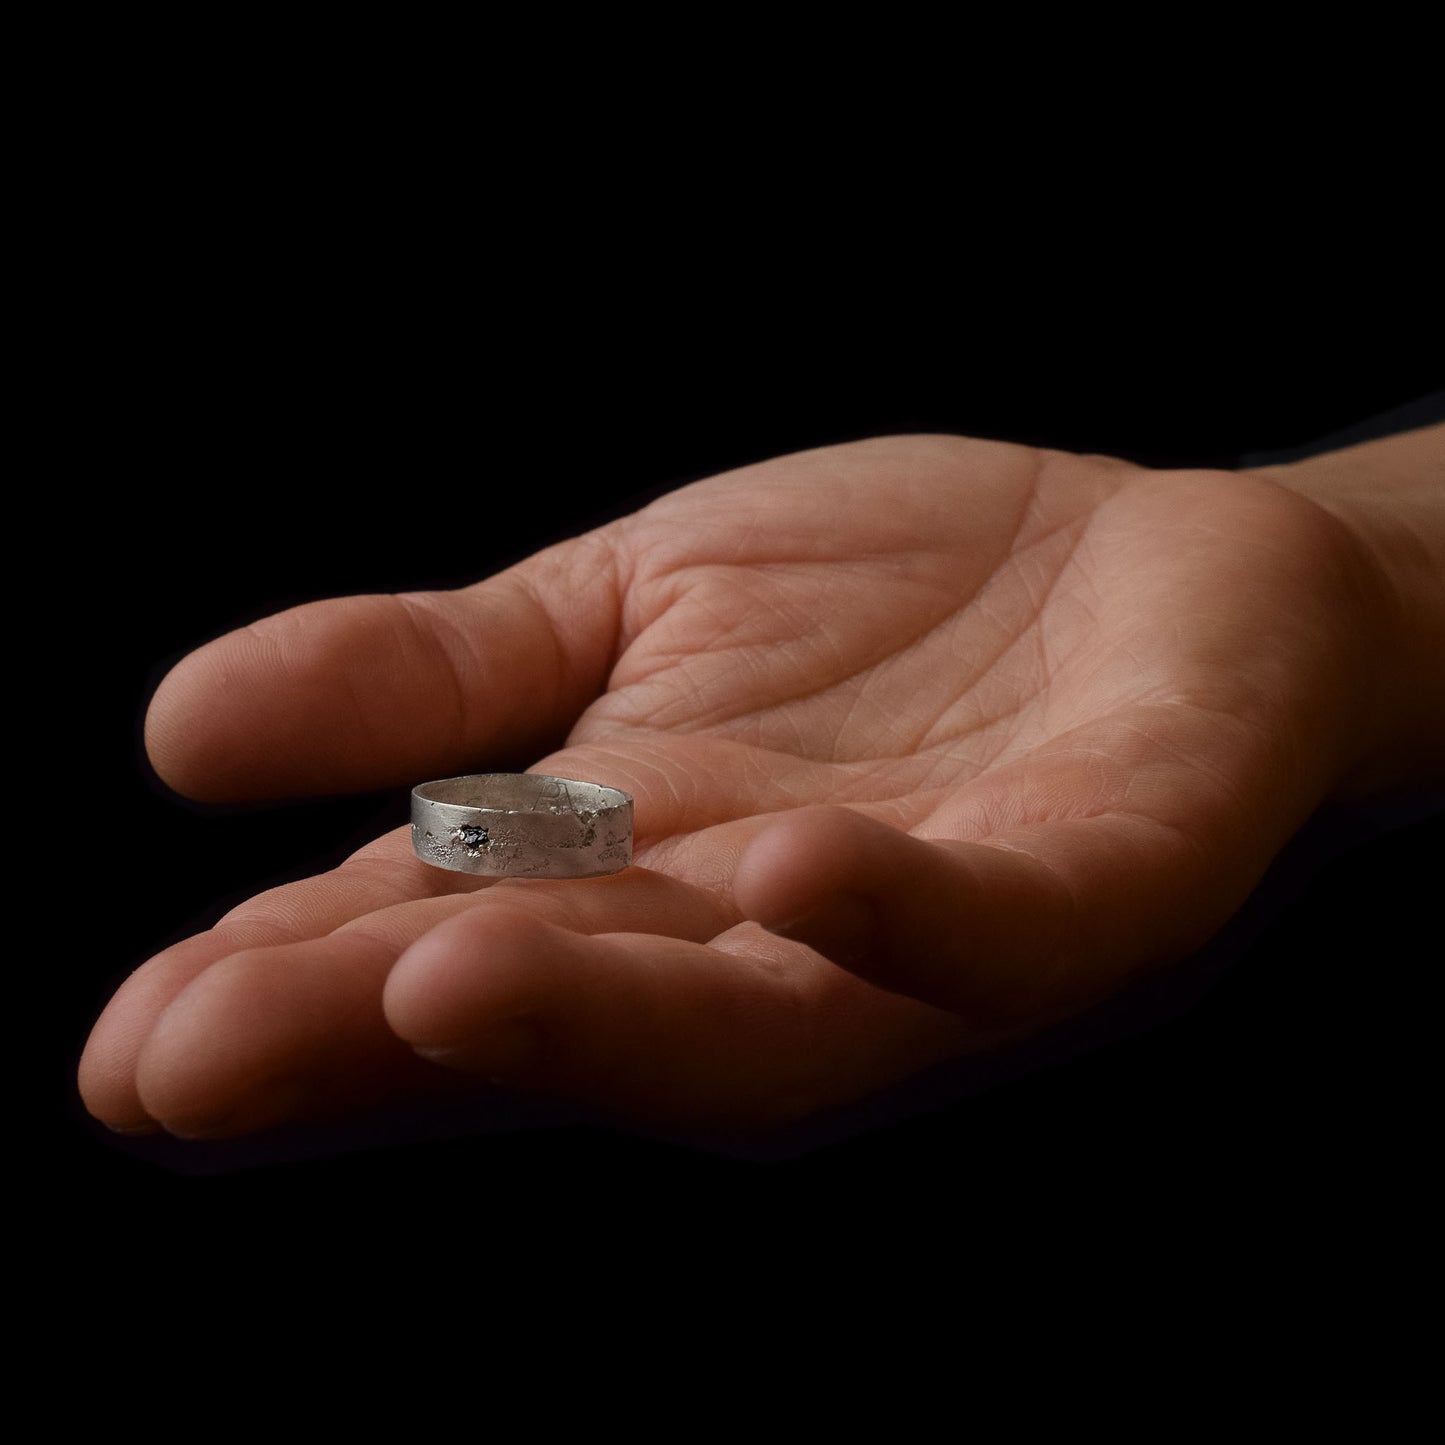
(297, 386)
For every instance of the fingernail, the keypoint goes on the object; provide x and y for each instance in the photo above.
(844, 929)
(512, 1046)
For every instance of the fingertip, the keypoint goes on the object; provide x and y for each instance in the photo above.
(199, 1071)
(107, 1086)
(106, 1076)
(209, 732)
(465, 994)
(271, 1034)
(168, 729)
(795, 865)
(813, 877)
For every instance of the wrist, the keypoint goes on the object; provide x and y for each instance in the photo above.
(1389, 497)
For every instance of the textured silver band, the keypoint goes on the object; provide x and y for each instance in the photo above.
(521, 825)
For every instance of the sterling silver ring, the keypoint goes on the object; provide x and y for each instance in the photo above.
(521, 825)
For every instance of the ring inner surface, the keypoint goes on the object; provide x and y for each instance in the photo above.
(521, 793)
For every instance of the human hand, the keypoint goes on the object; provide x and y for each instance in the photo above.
(933, 742)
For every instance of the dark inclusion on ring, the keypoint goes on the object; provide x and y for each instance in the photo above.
(473, 839)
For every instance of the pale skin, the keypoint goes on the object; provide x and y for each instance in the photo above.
(934, 742)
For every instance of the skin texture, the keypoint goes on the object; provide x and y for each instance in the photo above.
(933, 742)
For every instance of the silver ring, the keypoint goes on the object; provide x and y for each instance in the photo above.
(521, 825)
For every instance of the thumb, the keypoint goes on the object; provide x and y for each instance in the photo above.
(379, 691)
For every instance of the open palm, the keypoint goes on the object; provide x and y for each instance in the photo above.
(932, 743)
